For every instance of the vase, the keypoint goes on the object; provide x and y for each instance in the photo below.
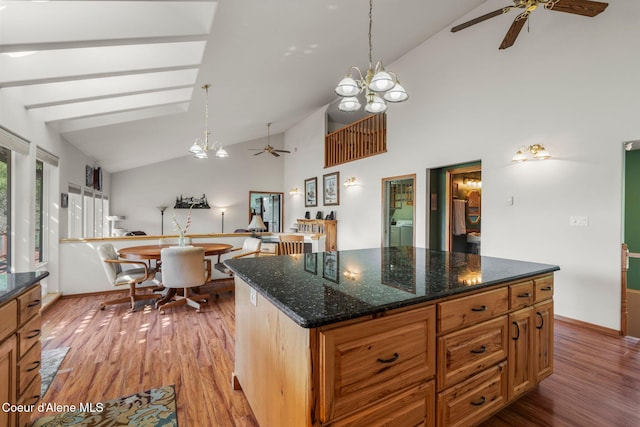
(181, 241)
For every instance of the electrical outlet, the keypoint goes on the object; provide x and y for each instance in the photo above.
(578, 221)
(253, 297)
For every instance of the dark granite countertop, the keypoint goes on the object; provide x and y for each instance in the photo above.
(316, 289)
(12, 284)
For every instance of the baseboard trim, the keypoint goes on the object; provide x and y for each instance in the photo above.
(589, 326)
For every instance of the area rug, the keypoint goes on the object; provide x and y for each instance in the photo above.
(156, 407)
(51, 361)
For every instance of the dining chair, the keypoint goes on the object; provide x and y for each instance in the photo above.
(250, 248)
(122, 277)
(291, 244)
(185, 268)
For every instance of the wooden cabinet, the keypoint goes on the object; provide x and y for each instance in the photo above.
(20, 354)
(364, 363)
(493, 347)
(326, 227)
(449, 362)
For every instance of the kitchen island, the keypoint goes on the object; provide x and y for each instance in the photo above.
(389, 336)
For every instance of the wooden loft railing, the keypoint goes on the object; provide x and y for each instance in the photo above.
(364, 138)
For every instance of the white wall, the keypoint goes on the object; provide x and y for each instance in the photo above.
(570, 84)
(137, 193)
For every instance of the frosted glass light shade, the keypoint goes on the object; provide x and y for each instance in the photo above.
(519, 157)
(350, 103)
(381, 82)
(222, 153)
(347, 87)
(195, 148)
(376, 105)
(396, 94)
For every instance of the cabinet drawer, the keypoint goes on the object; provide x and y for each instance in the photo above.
(472, 309)
(521, 295)
(543, 288)
(31, 396)
(8, 319)
(365, 362)
(463, 353)
(469, 402)
(28, 335)
(29, 304)
(29, 368)
(414, 407)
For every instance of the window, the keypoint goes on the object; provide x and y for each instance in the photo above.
(74, 218)
(5, 209)
(40, 213)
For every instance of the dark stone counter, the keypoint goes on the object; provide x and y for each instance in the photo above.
(12, 284)
(316, 289)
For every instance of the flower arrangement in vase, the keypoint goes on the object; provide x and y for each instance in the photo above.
(182, 230)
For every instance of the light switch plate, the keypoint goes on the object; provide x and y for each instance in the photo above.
(579, 221)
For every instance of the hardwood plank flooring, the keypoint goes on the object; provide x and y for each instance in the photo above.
(115, 353)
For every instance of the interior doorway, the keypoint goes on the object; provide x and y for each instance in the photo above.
(455, 208)
(630, 304)
(398, 210)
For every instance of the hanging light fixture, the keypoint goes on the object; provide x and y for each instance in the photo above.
(378, 85)
(201, 146)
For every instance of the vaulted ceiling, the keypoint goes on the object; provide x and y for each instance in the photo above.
(122, 80)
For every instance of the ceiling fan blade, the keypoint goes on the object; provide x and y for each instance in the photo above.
(257, 154)
(275, 154)
(283, 151)
(578, 7)
(481, 18)
(255, 149)
(514, 30)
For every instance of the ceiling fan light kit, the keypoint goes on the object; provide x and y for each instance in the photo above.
(379, 86)
(578, 7)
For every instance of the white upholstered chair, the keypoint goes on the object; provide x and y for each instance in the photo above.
(125, 277)
(250, 248)
(185, 268)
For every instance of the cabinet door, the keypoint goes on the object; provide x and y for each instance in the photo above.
(521, 376)
(543, 340)
(8, 355)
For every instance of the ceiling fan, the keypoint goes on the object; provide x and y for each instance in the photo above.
(578, 7)
(269, 148)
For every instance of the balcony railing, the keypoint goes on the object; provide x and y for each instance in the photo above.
(364, 138)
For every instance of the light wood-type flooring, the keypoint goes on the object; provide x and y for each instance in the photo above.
(114, 353)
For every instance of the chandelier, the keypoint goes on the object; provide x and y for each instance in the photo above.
(201, 146)
(377, 84)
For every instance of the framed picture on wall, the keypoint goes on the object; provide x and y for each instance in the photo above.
(97, 179)
(311, 192)
(88, 181)
(331, 188)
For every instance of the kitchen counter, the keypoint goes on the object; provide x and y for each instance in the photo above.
(322, 288)
(12, 284)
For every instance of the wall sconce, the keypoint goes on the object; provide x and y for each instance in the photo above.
(294, 191)
(538, 151)
(350, 182)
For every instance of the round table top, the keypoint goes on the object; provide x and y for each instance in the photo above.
(153, 251)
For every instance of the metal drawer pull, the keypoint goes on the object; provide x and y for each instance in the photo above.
(393, 359)
(481, 308)
(34, 303)
(525, 295)
(546, 288)
(480, 402)
(541, 320)
(37, 363)
(517, 330)
(34, 334)
(480, 350)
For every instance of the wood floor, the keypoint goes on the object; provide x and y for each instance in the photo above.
(114, 353)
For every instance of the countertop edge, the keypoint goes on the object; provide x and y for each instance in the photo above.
(309, 324)
(22, 285)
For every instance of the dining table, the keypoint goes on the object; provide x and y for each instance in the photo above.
(153, 252)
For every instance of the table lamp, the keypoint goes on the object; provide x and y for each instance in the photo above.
(256, 224)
